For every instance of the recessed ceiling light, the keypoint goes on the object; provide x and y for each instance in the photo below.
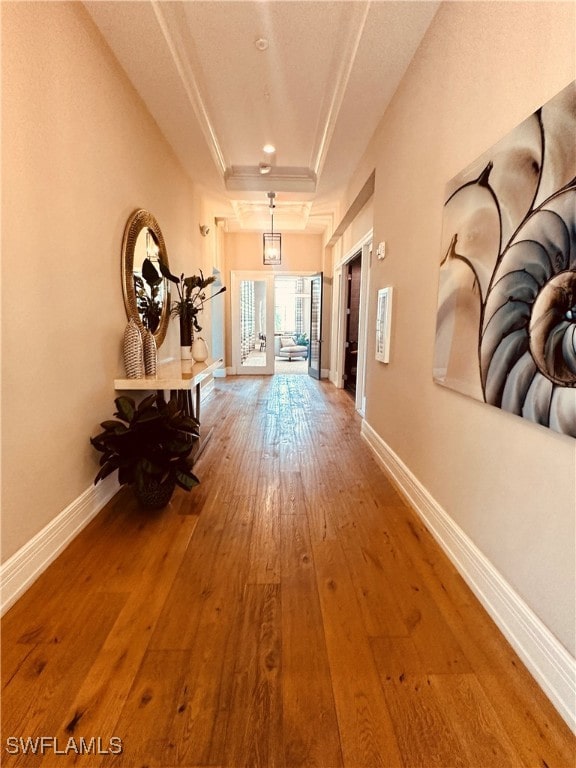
(261, 43)
(269, 149)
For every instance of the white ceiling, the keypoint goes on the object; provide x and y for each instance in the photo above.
(317, 92)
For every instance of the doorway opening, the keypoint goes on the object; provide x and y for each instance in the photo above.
(353, 292)
(292, 295)
(272, 319)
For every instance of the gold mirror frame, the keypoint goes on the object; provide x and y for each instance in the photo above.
(138, 221)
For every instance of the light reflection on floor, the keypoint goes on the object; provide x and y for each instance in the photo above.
(256, 359)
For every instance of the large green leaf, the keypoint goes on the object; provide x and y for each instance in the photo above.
(106, 470)
(189, 423)
(179, 447)
(98, 443)
(170, 408)
(147, 467)
(147, 402)
(186, 480)
(166, 272)
(126, 475)
(126, 407)
(114, 426)
(146, 418)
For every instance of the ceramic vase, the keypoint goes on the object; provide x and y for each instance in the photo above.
(199, 349)
(150, 354)
(133, 352)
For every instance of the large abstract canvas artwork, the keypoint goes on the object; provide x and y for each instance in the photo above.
(506, 320)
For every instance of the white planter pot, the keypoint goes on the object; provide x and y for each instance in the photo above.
(199, 349)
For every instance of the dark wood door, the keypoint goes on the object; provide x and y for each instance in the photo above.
(352, 323)
(315, 351)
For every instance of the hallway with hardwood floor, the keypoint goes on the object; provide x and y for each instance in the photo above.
(290, 611)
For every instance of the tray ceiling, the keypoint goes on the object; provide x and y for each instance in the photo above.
(222, 79)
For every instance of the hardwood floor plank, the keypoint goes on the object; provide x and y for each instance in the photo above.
(320, 519)
(98, 704)
(366, 731)
(425, 736)
(201, 734)
(157, 699)
(375, 581)
(292, 499)
(265, 542)
(178, 621)
(311, 737)
(396, 657)
(407, 591)
(473, 720)
(36, 698)
(529, 718)
(290, 611)
(254, 732)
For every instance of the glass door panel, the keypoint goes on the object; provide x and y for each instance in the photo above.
(315, 357)
(252, 327)
(253, 323)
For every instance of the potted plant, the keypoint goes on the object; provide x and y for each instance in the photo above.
(150, 445)
(191, 299)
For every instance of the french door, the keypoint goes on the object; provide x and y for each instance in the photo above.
(252, 323)
(315, 350)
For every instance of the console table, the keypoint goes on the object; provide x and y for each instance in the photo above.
(180, 377)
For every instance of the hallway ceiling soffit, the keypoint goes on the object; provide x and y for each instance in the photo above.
(311, 92)
(289, 216)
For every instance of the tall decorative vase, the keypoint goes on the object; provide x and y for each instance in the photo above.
(199, 349)
(185, 335)
(150, 353)
(133, 352)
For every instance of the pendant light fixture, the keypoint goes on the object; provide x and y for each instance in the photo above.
(272, 241)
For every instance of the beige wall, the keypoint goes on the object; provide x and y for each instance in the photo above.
(358, 228)
(300, 252)
(80, 153)
(511, 485)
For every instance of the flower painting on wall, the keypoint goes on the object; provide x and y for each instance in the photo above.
(506, 318)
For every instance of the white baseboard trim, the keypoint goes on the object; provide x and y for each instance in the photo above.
(21, 570)
(549, 662)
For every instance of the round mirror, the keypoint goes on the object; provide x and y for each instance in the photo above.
(146, 292)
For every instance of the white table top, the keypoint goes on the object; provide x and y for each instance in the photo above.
(173, 374)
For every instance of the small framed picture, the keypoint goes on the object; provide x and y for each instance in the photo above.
(383, 319)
